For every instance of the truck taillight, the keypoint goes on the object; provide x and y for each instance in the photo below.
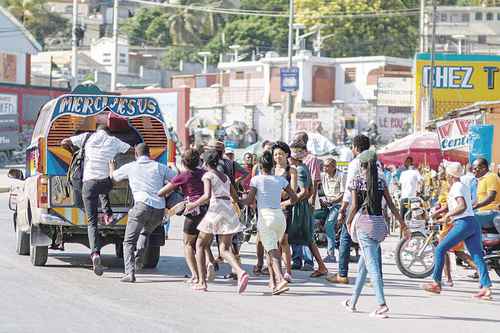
(42, 190)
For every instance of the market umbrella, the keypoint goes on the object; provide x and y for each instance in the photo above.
(423, 147)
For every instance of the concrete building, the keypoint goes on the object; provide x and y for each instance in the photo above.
(20, 99)
(470, 30)
(333, 93)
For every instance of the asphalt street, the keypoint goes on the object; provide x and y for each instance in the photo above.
(65, 296)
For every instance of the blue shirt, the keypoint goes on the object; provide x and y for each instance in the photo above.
(146, 177)
(268, 190)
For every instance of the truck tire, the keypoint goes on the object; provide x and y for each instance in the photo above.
(119, 250)
(39, 255)
(151, 257)
(22, 242)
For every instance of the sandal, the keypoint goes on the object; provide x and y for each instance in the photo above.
(264, 271)
(257, 271)
(318, 273)
(242, 283)
(281, 288)
(347, 305)
(433, 288)
(197, 287)
(210, 273)
(192, 280)
(484, 295)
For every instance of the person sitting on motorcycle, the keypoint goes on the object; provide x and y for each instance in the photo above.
(488, 193)
(465, 228)
(333, 184)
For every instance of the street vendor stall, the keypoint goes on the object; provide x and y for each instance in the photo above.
(423, 147)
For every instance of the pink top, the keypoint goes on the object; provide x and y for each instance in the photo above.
(314, 167)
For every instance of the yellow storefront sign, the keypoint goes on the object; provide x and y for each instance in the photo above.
(459, 80)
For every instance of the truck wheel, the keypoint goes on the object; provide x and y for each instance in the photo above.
(119, 250)
(22, 242)
(151, 257)
(39, 255)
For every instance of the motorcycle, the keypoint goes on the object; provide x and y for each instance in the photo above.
(415, 256)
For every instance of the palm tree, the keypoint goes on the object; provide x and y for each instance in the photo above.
(24, 10)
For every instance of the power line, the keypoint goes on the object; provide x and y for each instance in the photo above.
(262, 13)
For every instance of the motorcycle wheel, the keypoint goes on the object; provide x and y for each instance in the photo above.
(406, 256)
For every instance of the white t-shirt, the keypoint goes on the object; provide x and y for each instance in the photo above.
(409, 180)
(268, 190)
(459, 190)
(99, 150)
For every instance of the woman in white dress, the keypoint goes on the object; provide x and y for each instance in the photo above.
(220, 219)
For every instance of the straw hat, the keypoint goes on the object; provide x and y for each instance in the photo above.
(217, 145)
(454, 169)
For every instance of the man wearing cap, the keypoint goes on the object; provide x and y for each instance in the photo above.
(488, 193)
(333, 184)
(146, 178)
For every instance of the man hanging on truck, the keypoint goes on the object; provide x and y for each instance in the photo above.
(146, 178)
(100, 148)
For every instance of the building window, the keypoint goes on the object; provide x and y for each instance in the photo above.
(498, 16)
(106, 60)
(350, 75)
(479, 16)
(481, 39)
(444, 17)
(465, 17)
(489, 17)
(122, 61)
(122, 55)
(106, 54)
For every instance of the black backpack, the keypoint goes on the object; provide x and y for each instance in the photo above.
(75, 173)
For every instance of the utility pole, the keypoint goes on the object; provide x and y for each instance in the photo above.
(74, 60)
(431, 72)
(114, 63)
(205, 56)
(289, 108)
(422, 25)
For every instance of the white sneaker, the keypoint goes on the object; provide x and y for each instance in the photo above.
(380, 312)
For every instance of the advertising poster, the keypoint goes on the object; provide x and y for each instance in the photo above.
(8, 67)
(459, 80)
(454, 136)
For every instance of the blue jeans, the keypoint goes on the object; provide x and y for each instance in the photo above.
(344, 251)
(468, 230)
(330, 223)
(166, 224)
(301, 253)
(370, 262)
(485, 219)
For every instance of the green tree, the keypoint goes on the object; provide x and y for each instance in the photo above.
(362, 36)
(148, 26)
(35, 16)
(174, 55)
(253, 33)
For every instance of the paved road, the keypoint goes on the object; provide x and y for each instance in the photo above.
(65, 296)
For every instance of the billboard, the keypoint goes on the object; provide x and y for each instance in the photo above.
(459, 80)
(8, 111)
(395, 91)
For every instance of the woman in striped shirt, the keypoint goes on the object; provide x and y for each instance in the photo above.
(370, 229)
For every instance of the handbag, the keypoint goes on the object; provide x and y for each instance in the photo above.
(353, 228)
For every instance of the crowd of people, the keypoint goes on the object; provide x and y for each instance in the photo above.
(284, 185)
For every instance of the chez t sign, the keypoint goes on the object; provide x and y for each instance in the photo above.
(454, 133)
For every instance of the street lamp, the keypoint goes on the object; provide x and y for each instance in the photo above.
(459, 39)
(205, 55)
